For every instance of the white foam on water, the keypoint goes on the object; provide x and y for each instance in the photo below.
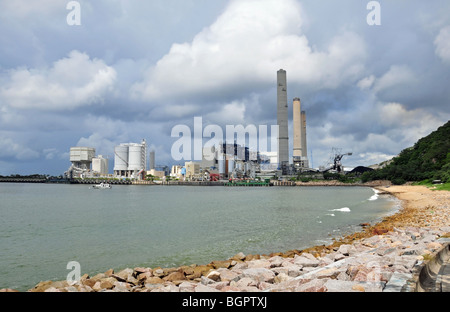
(374, 196)
(345, 209)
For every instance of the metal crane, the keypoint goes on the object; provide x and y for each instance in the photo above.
(335, 161)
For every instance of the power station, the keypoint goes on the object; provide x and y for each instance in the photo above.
(226, 160)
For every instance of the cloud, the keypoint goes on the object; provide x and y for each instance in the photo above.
(71, 82)
(23, 9)
(366, 82)
(11, 149)
(442, 44)
(133, 70)
(397, 75)
(230, 113)
(242, 50)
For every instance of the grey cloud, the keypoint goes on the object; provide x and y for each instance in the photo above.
(372, 90)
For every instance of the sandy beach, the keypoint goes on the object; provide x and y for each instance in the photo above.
(382, 257)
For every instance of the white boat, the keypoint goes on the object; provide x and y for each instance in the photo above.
(102, 186)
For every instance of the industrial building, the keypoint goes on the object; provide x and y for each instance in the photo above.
(100, 165)
(192, 170)
(152, 160)
(282, 122)
(81, 157)
(300, 155)
(130, 160)
(81, 161)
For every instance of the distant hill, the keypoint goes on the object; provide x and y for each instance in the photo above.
(428, 159)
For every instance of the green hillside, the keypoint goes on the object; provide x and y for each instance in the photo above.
(428, 159)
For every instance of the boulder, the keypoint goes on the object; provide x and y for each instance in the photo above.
(142, 270)
(282, 277)
(315, 285)
(199, 270)
(244, 282)
(238, 257)
(347, 250)
(295, 270)
(187, 286)
(276, 261)
(221, 264)
(97, 286)
(175, 276)
(109, 273)
(158, 272)
(121, 286)
(124, 274)
(305, 262)
(42, 286)
(227, 275)
(90, 282)
(204, 288)
(8, 290)
(107, 283)
(214, 275)
(433, 246)
(358, 287)
(154, 280)
(260, 263)
(308, 255)
(144, 276)
(259, 274)
(220, 285)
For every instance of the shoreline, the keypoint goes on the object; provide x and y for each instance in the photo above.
(404, 239)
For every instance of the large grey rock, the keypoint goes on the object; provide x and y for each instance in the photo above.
(397, 282)
(259, 274)
(305, 262)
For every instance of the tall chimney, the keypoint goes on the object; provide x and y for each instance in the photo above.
(282, 121)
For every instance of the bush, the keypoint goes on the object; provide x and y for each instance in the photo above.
(398, 181)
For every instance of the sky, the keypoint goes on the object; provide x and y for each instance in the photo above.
(135, 69)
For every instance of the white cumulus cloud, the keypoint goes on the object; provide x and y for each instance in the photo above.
(71, 82)
(245, 47)
(442, 44)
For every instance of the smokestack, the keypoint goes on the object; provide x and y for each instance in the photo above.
(152, 159)
(297, 125)
(303, 126)
(282, 121)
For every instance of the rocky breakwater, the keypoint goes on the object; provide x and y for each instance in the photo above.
(384, 262)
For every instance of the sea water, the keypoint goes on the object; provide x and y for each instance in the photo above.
(45, 226)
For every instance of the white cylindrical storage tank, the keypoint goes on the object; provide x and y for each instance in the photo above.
(135, 157)
(121, 157)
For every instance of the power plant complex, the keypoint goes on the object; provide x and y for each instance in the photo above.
(223, 161)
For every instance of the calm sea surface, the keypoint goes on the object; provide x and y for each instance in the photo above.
(43, 227)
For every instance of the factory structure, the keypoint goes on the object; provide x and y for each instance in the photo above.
(223, 161)
(233, 161)
(130, 160)
(84, 163)
(300, 154)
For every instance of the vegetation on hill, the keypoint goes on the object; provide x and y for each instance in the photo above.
(428, 159)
